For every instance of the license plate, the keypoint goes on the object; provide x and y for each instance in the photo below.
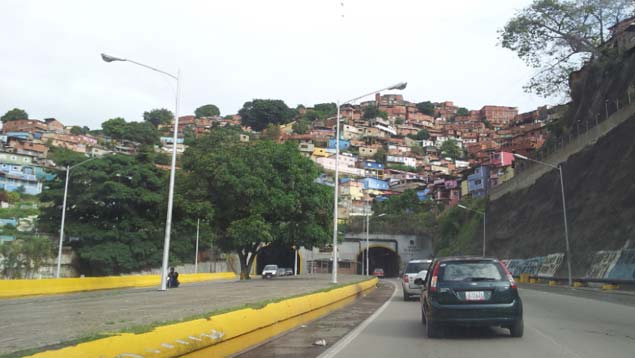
(474, 295)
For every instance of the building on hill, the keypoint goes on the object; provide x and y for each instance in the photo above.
(499, 116)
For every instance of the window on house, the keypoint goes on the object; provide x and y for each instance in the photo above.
(344, 265)
(477, 182)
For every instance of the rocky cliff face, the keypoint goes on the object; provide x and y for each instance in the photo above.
(600, 194)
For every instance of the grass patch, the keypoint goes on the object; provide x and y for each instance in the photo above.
(145, 328)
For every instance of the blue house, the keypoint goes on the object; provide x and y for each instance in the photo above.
(344, 144)
(478, 183)
(423, 194)
(15, 177)
(374, 169)
(375, 184)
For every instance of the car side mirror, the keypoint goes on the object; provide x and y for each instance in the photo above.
(418, 281)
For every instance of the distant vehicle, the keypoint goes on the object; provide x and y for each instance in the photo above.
(470, 291)
(270, 271)
(281, 272)
(378, 272)
(414, 269)
(288, 272)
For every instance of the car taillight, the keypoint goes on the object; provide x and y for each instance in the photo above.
(405, 278)
(509, 275)
(433, 280)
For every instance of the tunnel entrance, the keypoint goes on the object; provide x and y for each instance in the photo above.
(380, 257)
(276, 255)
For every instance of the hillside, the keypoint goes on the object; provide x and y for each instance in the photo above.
(600, 193)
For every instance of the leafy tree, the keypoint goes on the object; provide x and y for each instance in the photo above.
(400, 121)
(208, 110)
(487, 123)
(403, 167)
(141, 132)
(417, 150)
(380, 155)
(14, 114)
(158, 116)
(272, 132)
(23, 257)
(259, 113)
(462, 111)
(279, 201)
(114, 127)
(426, 107)
(301, 126)
(114, 202)
(557, 36)
(450, 149)
(421, 135)
(311, 115)
(325, 110)
(77, 130)
(371, 112)
(63, 157)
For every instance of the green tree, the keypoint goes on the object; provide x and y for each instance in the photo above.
(421, 135)
(557, 36)
(279, 201)
(311, 115)
(208, 110)
(259, 113)
(380, 155)
(77, 130)
(114, 127)
(14, 114)
(325, 110)
(22, 258)
(487, 124)
(159, 116)
(372, 112)
(141, 132)
(449, 148)
(115, 202)
(426, 107)
(301, 126)
(400, 121)
(272, 132)
(462, 111)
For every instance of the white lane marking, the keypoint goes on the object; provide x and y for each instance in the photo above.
(563, 349)
(342, 343)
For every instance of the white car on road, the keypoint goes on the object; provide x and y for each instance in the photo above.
(414, 269)
(270, 271)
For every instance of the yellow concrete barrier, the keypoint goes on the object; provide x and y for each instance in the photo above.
(579, 284)
(218, 335)
(553, 283)
(533, 280)
(524, 278)
(610, 286)
(49, 286)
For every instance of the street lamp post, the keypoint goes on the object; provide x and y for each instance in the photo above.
(398, 86)
(59, 249)
(564, 211)
(168, 221)
(479, 212)
(198, 225)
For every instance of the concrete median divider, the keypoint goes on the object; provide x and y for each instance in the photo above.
(51, 286)
(218, 335)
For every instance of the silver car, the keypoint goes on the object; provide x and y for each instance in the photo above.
(414, 269)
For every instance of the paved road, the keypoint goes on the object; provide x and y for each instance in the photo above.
(556, 325)
(48, 320)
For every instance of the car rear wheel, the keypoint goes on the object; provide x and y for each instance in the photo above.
(517, 328)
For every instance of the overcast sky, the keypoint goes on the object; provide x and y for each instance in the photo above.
(229, 52)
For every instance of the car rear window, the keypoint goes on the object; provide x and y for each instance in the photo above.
(416, 267)
(271, 267)
(470, 271)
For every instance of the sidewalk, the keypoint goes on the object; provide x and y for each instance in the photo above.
(50, 320)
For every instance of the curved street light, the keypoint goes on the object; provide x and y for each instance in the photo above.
(398, 86)
(168, 221)
(564, 210)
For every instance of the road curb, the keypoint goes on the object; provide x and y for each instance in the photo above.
(52, 286)
(218, 335)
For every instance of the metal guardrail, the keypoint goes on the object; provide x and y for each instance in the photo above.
(608, 283)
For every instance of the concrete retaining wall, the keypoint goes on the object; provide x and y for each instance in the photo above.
(18, 288)
(613, 264)
(220, 335)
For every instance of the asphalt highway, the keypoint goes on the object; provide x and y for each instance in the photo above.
(557, 324)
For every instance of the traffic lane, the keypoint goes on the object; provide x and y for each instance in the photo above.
(555, 326)
(42, 321)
